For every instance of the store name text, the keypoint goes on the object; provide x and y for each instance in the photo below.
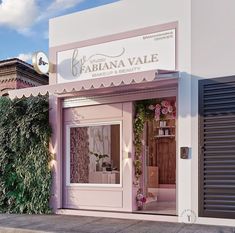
(86, 65)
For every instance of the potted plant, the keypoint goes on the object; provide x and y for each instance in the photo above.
(99, 157)
(140, 200)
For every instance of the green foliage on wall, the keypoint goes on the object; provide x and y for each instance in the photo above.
(25, 174)
(142, 114)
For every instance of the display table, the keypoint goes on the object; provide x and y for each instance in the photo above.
(104, 177)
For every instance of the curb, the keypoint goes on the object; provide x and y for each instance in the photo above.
(19, 230)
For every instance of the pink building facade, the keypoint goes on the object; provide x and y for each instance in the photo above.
(165, 56)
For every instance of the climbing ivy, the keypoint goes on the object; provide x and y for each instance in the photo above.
(138, 131)
(25, 174)
(142, 114)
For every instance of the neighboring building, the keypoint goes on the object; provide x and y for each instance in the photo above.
(108, 58)
(16, 74)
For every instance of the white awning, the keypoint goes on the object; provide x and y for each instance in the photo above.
(127, 81)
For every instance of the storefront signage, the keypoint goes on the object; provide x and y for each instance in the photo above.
(135, 54)
(40, 62)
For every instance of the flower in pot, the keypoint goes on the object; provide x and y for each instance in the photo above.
(140, 200)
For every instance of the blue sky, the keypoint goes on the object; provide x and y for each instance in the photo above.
(24, 23)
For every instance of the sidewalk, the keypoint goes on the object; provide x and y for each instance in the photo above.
(79, 224)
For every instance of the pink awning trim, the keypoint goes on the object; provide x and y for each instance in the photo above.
(115, 81)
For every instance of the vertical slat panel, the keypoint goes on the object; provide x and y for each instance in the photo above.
(217, 147)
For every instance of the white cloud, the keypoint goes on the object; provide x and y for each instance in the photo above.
(18, 14)
(25, 57)
(58, 6)
(63, 4)
(21, 15)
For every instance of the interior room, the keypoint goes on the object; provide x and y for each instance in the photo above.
(159, 157)
(95, 154)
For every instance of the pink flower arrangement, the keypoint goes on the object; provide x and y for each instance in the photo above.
(170, 109)
(165, 103)
(164, 110)
(140, 200)
(151, 107)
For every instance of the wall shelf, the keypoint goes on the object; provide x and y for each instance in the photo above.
(164, 136)
(166, 127)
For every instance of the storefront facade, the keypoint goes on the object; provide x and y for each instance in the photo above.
(109, 59)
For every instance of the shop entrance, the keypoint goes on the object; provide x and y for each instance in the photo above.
(159, 158)
(94, 162)
(106, 184)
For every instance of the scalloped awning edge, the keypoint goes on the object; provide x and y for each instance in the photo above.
(94, 84)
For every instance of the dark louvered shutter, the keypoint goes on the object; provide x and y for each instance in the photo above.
(217, 147)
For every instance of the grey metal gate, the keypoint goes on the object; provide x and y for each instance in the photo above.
(217, 147)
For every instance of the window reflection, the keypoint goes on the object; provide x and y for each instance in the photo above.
(95, 154)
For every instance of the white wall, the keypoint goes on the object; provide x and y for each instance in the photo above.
(120, 17)
(124, 16)
(213, 55)
(213, 23)
(129, 15)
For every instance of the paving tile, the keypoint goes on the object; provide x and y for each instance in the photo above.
(45, 223)
(16, 230)
(106, 225)
(82, 224)
(154, 227)
(66, 224)
(7, 216)
(195, 228)
(54, 223)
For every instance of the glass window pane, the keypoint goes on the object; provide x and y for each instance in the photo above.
(95, 154)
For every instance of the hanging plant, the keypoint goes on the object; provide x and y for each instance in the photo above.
(138, 132)
(140, 118)
(142, 113)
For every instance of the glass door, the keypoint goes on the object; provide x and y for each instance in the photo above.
(159, 161)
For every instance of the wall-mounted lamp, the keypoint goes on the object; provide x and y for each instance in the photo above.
(127, 155)
(53, 156)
